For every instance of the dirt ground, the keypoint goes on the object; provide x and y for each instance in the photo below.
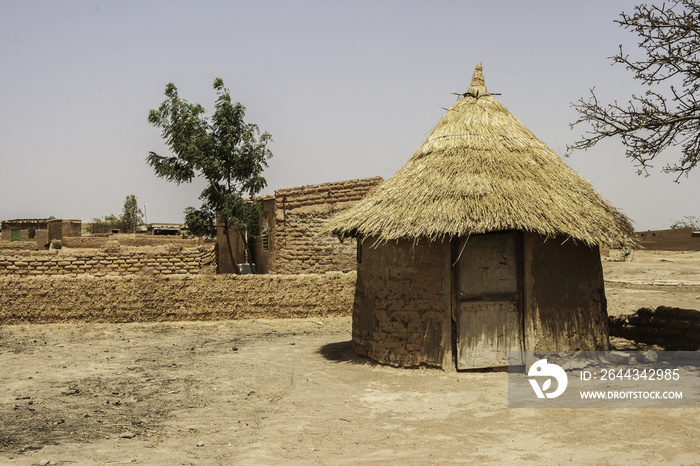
(652, 279)
(293, 392)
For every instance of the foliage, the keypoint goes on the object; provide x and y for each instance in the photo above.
(689, 221)
(649, 124)
(132, 216)
(104, 225)
(225, 150)
(200, 222)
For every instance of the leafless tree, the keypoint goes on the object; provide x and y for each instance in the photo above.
(668, 113)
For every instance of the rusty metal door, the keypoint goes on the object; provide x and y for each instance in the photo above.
(489, 302)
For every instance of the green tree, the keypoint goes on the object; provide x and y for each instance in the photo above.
(104, 225)
(132, 216)
(689, 221)
(227, 152)
(668, 113)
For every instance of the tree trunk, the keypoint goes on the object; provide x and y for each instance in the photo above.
(236, 270)
(251, 253)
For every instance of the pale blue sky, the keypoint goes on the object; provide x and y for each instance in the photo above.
(348, 89)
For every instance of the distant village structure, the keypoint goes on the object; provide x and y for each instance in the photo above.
(485, 242)
(162, 229)
(41, 231)
(291, 230)
(676, 239)
(290, 241)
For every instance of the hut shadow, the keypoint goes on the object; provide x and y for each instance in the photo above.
(342, 352)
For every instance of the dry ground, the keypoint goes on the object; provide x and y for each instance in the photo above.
(292, 392)
(652, 279)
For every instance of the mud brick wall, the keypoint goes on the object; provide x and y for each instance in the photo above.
(14, 246)
(107, 262)
(401, 300)
(301, 213)
(135, 240)
(670, 327)
(144, 298)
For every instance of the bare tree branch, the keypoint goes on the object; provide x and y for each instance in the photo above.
(651, 123)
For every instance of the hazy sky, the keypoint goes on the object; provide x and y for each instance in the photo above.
(347, 89)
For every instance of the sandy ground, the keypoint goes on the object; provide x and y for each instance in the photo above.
(293, 392)
(652, 279)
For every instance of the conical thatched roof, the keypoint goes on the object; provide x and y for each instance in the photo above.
(480, 171)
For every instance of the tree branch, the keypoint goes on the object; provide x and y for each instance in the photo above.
(650, 124)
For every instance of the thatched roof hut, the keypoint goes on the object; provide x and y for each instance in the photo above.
(482, 170)
(486, 229)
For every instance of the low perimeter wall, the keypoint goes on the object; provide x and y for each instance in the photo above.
(107, 262)
(143, 298)
(670, 327)
(128, 239)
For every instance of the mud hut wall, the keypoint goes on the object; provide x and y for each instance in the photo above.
(564, 296)
(301, 213)
(42, 238)
(71, 228)
(28, 262)
(55, 228)
(143, 298)
(402, 303)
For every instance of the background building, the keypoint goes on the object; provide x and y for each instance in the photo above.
(676, 239)
(292, 237)
(41, 231)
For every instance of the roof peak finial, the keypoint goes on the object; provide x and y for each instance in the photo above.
(478, 83)
(478, 86)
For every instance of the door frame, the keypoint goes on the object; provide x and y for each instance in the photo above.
(456, 253)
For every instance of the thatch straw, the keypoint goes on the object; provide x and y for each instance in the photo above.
(480, 171)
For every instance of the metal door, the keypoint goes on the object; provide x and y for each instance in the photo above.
(489, 300)
(15, 235)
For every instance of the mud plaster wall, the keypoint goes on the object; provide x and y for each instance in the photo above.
(107, 262)
(301, 213)
(402, 301)
(564, 296)
(142, 298)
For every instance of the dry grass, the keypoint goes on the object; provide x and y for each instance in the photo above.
(481, 170)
